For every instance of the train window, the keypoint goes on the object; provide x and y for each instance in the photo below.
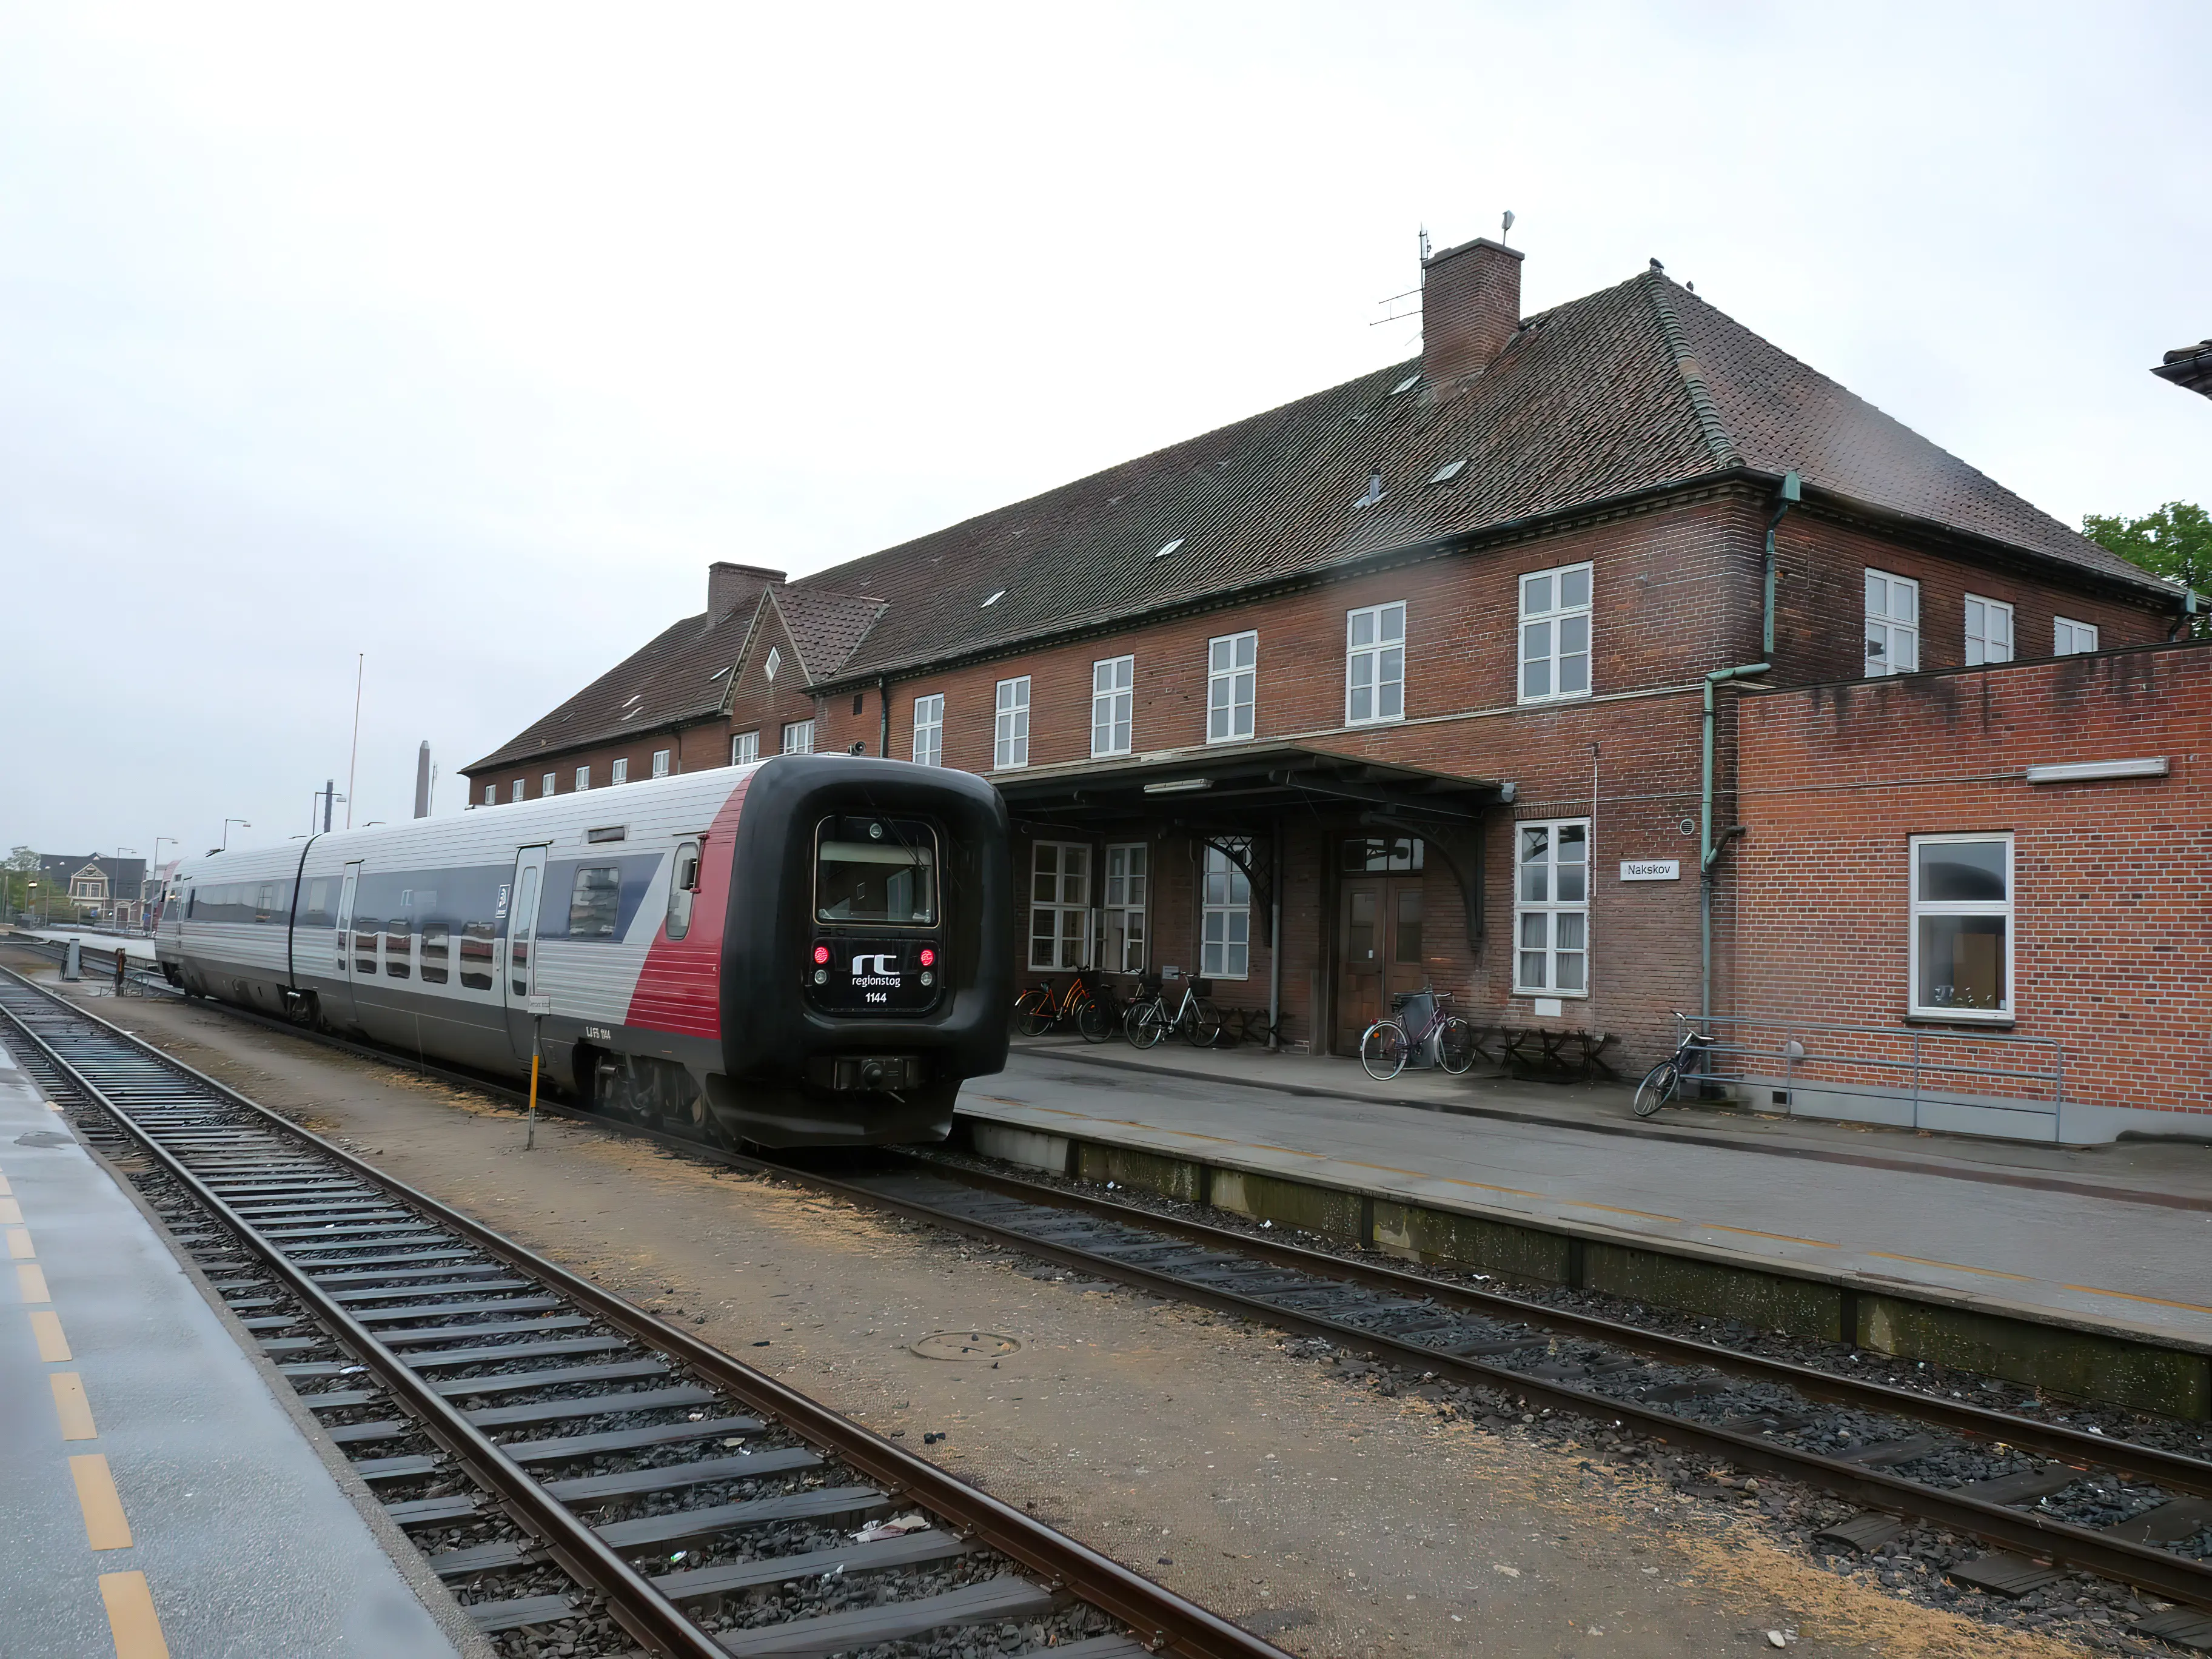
(476, 956)
(876, 870)
(683, 887)
(525, 933)
(191, 899)
(595, 903)
(365, 934)
(436, 946)
(398, 953)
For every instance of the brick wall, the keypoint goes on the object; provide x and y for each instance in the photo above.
(2112, 942)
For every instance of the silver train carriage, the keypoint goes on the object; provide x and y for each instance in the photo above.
(812, 950)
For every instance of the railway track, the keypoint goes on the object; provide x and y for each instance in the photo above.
(2048, 1496)
(569, 1464)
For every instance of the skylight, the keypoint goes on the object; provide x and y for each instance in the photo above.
(1447, 471)
(993, 599)
(1405, 385)
(718, 673)
(1169, 549)
(1374, 491)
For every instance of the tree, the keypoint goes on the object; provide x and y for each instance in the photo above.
(2175, 543)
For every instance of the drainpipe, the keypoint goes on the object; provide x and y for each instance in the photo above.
(884, 723)
(1786, 498)
(1708, 850)
(1275, 933)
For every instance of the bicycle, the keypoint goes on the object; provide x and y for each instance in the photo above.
(1039, 1010)
(1663, 1082)
(1148, 1022)
(1384, 1045)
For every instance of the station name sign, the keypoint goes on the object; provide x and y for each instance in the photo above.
(1651, 869)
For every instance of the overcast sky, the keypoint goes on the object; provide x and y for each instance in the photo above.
(465, 337)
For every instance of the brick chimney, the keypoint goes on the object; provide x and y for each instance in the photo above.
(729, 586)
(1470, 306)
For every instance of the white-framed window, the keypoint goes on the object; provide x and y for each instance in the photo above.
(1892, 623)
(1551, 907)
(1060, 905)
(1989, 631)
(583, 778)
(1128, 878)
(1961, 947)
(1010, 732)
(1375, 664)
(1113, 704)
(2068, 637)
(1555, 633)
(660, 763)
(929, 730)
(619, 773)
(491, 794)
(549, 784)
(521, 788)
(1224, 949)
(1232, 677)
(744, 748)
(798, 736)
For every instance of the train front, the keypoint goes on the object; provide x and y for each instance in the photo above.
(867, 958)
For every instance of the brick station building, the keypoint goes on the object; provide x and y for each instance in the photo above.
(1407, 682)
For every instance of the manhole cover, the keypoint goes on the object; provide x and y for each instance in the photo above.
(964, 1345)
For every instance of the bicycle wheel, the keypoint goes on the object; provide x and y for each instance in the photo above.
(1456, 1045)
(1658, 1088)
(1094, 1020)
(1383, 1050)
(1204, 1028)
(1034, 1011)
(1145, 1024)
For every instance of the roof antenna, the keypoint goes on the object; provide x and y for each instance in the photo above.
(1504, 229)
(1424, 245)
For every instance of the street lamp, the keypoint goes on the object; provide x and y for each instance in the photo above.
(226, 823)
(31, 897)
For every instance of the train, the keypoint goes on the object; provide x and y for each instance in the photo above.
(809, 950)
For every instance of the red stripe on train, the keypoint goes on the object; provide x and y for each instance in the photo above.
(680, 987)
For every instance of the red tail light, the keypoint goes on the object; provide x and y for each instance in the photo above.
(820, 955)
(928, 958)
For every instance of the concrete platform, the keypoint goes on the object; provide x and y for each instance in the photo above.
(158, 1497)
(2114, 1238)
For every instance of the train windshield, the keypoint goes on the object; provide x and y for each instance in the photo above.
(877, 870)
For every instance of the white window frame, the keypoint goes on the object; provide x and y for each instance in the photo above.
(1551, 907)
(798, 736)
(1917, 907)
(491, 794)
(1113, 705)
(549, 784)
(1232, 687)
(1548, 626)
(1127, 870)
(660, 763)
(1225, 934)
(2070, 638)
(1373, 648)
(744, 748)
(929, 730)
(1010, 726)
(619, 772)
(583, 778)
(1070, 906)
(1989, 631)
(521, 788)
(1893, 637)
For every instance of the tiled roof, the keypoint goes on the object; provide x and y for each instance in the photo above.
(824, 627)
(2189, 366)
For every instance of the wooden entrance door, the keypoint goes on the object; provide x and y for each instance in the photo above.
(1378, 950)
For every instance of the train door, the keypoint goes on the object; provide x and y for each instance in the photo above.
(341, 968)
(518, 979)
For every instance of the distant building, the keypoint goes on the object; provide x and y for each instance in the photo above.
(2189, 367)
(112, 892)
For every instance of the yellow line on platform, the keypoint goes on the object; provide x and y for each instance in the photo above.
(1954, 1266)
(31, 1284)
(131, 1616)
(71, 1405)
(2155, 1301)
(18, 1244)
(11, 1212)
(105, 1527)
(47, 1328)
(5, 1188)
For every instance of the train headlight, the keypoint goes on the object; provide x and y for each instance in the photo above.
(928, 978)
(821, 975)
(875, 832)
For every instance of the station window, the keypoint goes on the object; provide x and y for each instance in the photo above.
(745, 748)
(619, 773)
(1961, 945)
(1555, 633)
(660, 763)
(1989, 631)
(798, 736)
(1060, 905)
(491, 794)
(549, 784)
(1225, 943)
(521, 786)
(2068, 637)
(1128, 867)
(1375, 664)
(1113, 703)
(1550, 909)
(583, 778)
(1232, 675)
(1010, 734)
(929, 730)
(1892, 623)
